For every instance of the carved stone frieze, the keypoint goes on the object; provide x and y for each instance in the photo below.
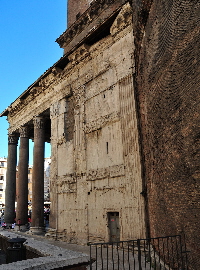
(109, 172)
(101, 122)
(47, 81)
(56, 71)
(79, 96)
(68, 183)
(61, 140)
(22, 102)
(15, 107)
(123, 19)
(79, 54)
(35, 91)
(24, 131)
(12, 138)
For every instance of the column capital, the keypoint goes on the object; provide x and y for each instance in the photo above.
(12, 138)
(38, 122)
(24, 131)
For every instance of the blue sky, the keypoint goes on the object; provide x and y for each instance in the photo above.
(28, 31)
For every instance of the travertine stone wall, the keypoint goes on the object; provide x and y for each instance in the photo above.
(98, 170)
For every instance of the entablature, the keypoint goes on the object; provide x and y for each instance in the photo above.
(90, 21)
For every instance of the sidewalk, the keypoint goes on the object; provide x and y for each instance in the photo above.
(117, 254)
(51, 256)
(118, 259)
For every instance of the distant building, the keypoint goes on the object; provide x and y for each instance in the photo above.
(47, 163)
(30, 172)
(3, 169)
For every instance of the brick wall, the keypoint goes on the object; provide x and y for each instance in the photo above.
(76, 7)
(168, 81)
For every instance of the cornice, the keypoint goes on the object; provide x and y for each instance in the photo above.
(86, 19)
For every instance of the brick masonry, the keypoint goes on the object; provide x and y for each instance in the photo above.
(76, 8)
(167, 78)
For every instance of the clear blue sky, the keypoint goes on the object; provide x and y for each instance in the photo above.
(28, 31)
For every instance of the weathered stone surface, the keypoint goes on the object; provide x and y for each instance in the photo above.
(95, 166)
(169, 100)
(51, 257)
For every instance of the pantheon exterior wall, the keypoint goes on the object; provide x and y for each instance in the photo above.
(95, 165)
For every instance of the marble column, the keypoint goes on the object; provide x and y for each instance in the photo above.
(22, 184)
(37, 217)
(10, 192)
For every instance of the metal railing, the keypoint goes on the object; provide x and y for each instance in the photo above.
(161, 253)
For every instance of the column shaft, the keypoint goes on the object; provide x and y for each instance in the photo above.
(10, 191)
(22, 185)
(38, 175)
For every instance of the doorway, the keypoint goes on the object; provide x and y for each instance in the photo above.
(114, 228)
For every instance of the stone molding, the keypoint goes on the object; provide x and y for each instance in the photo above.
(79, 54)
(109, 172)
(12, 138)
(123, 20)
(102, 121)
(85, 19)
(68, 182)
(50, 78)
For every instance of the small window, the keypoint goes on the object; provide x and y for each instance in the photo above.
(107, 147)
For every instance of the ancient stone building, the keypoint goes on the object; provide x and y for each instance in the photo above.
(85, 106)
(3, 168)
(121, 111)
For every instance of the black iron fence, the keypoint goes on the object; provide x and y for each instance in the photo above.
(161, 253)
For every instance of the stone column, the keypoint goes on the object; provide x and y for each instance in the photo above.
(37, 217)
(10, 191)
(22, 184)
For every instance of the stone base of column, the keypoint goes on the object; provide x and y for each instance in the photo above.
(20, 228)
(37, 230)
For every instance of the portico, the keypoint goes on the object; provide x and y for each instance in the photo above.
(37, 129)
